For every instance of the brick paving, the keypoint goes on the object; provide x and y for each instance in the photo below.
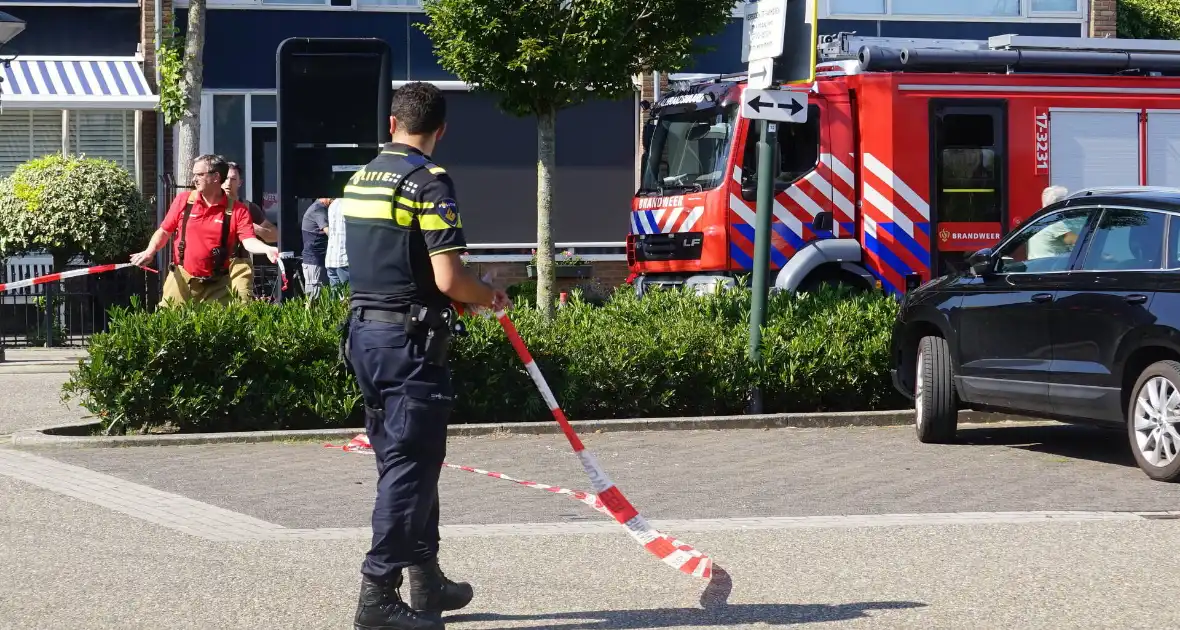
(216, 524)
(671, 475)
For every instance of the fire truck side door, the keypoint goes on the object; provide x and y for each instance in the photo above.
(799, 188)
(968, 142)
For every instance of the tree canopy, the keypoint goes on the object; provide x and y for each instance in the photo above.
(541, 56)
(69, 205)
(538, 54)
(1149, 19)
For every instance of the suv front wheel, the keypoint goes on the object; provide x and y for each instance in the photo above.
(1152, 417)
(936, 417)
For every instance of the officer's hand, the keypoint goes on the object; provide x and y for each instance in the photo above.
(500, 300)
(272, 254)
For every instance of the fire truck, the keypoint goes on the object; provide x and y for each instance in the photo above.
(915, 153)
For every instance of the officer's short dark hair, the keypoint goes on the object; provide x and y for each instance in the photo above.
(233, 166)
(419, 108)
(215, 163)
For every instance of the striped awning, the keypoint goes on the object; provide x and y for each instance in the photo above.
(75, 83)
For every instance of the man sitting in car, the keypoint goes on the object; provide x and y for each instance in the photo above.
(1055, 240)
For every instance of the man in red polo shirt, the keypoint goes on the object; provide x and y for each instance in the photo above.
(204, 245)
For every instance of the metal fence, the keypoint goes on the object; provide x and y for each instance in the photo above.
(79, 306)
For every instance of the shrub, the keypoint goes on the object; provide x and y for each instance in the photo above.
(261, 366)
(1149, 19)
(69, 205)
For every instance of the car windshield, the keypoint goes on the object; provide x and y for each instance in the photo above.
(686, 151)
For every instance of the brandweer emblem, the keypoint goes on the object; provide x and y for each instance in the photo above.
(945, 235)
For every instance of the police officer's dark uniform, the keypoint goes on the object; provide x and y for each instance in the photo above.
(398, 210)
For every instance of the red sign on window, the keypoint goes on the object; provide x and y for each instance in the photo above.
(967, 237)
(1041, 143)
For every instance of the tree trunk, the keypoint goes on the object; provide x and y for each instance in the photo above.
(546, 165)
(190, 123)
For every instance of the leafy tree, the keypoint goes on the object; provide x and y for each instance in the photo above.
(70, 205)
(541, 56)
(181, 75)
(1149, 19)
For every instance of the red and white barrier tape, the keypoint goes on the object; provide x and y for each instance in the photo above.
(674, 553)
(282, 272)
(55, 277)
(360, 444)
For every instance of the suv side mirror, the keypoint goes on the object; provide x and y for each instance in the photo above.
(982, 262)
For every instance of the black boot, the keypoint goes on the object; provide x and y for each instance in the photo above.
(380, 607)
(431, 592)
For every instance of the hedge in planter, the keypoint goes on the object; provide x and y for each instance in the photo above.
(261, 366)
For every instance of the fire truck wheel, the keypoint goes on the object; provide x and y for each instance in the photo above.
(936, 417)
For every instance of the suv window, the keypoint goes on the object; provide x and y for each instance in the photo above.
(1173, 242)
(1126, 239)
(1044, 245)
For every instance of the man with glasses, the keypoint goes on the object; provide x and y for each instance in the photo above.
(209, 226)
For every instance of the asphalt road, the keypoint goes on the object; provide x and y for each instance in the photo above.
(84, 547)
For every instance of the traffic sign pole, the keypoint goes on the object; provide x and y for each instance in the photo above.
(767, 139)
(780, 45)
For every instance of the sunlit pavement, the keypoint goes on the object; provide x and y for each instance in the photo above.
(1029, 526)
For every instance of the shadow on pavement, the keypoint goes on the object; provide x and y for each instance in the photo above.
(771, 614)
(1107, 446)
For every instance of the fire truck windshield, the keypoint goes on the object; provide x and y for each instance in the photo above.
(686, 151)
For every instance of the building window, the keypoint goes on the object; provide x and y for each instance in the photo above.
(389, 3)
(103, 134)
(241, 128)
(857, 7)
(229, 126)
(263, 108)
(1054, 6)
(32, 133)
(959, 8)
(973, 8)
(28, 134)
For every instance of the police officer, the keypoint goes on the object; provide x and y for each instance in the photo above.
(404, 238)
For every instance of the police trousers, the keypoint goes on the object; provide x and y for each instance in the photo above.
(408, 404)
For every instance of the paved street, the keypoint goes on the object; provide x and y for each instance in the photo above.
(30, 401)
(831, 528)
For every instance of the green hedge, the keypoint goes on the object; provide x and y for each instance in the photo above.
(260, 366)
(1149, 19)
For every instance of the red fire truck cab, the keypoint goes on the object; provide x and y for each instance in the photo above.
(915, 154)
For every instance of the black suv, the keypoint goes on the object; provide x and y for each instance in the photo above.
(1074, 316)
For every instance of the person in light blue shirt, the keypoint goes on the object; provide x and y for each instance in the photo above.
(336, 258)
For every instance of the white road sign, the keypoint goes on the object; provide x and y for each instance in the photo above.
(779, 105)
(764, 28)
(760, 73)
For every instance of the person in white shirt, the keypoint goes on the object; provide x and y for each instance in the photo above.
(336, 259)
(1056, 239)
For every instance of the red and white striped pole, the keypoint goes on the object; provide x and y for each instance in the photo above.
(673, 552)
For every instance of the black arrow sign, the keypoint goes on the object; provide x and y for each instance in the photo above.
(757, 104)
(761, 73)
(794, 106)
